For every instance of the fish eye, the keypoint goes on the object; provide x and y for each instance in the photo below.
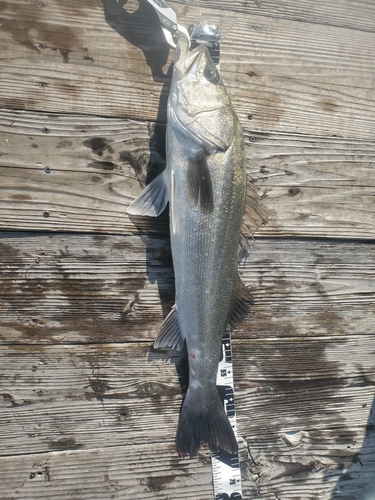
(212, 75)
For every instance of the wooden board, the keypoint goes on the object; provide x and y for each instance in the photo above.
(310, 186)
(90, 288)
(99, 59)
(75, 396)
(139, 472)
(88, 412)
(80, 383)
(342, 13)
(88, 409)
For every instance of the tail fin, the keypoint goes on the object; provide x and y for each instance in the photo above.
(198, 426)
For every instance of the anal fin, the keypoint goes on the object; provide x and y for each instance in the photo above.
(240, 303)
(170, 336)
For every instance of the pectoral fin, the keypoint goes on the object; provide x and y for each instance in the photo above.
(199, 183)
(152, 200)
(170, 336)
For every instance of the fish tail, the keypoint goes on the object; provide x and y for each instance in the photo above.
(198, 426)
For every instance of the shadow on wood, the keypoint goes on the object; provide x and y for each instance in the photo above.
(142, 29)
(360, 473)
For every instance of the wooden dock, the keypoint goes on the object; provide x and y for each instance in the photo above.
(88, 409)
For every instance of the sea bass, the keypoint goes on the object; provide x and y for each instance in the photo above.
(204, 183)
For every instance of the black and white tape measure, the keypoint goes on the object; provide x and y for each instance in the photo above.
(226, 466)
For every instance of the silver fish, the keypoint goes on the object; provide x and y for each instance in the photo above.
(205, 184)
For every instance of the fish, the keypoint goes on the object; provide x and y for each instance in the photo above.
(204, 183)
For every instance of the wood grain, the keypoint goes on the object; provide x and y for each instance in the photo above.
(304, 375)
(95, 396)
(105, 399)
(90, 288)
(105, 61)
(84, 288)
(356, 16)
(88, 409)
(139, 472)
(144, 472)
(311, 186)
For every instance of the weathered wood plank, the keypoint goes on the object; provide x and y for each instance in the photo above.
(311, 186)
(304, 401)
(136, 472)
(92, 396)
(306, 287)
(87, 396)
(342, 13)
(90, 177)
(290, 76)
(142, 472)
(75, 62)
(84, 288)
(304, 409)
(88, 410)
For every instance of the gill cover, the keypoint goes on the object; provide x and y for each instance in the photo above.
(199, 105)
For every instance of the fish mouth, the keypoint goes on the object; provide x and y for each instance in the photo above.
(187, 61)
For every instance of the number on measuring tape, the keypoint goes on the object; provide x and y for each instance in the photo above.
(225, 466)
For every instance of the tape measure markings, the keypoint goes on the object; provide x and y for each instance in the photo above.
(226, 471)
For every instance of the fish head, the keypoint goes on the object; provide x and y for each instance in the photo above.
(199, 105)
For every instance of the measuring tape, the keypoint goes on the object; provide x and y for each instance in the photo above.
(226, 471)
